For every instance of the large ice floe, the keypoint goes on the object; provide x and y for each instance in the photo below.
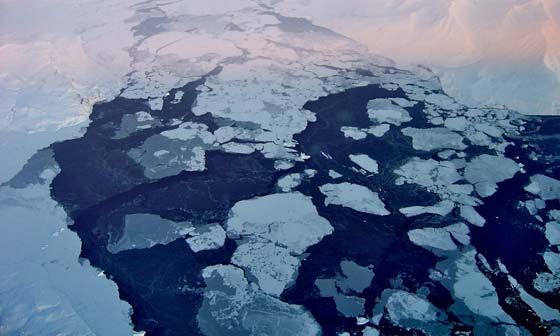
(233, 306)
(273, 231)
(354, 196)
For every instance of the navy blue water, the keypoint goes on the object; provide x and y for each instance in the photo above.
(99, 184)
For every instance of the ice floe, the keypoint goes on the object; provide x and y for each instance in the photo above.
(412, 311)
(353, 280)
(365, 162)
(144, 230)
(379, 130)
(440, 238)
(473, 292)
(485, 171)
(353, 132)
(545, 187)
(232, 306)
(385, 111)
(354, 196)
(275, 228)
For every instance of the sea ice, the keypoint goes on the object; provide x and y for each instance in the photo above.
(354, 196)
(485, 171)
(353, 132)
(144, 230)
(545, 187)
(384, 111)
(429, 139)
(276, 227)
(231, 306)
(365, 162)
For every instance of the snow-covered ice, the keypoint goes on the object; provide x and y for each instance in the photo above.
(354, 196)
(365, 162)
(276, 227)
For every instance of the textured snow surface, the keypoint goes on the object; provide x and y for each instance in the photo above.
(45, 289)
(488, 52)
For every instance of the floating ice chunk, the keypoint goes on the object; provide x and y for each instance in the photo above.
(353, 132)
(541, 309)
(231, 306)
(207, 237)
(177, 97)
(428, 139)
(356, 277)
(277, 227)
(183, 154)
(361, 320)
(334, 174)
(546, 282)
(144, 230)
(384, 111)
(413, 311)
(156, 104)
(545, 187)
(485, 171)
(288, 219)
(289, 182)
(354, 196)
(273, 266)
(379, 130)
(442, 208)
(469, 285)
(349, 306)
(283, 164)
(472, 216)
(440, 238)
(365, 162)
(432, 238)
(553, 233)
